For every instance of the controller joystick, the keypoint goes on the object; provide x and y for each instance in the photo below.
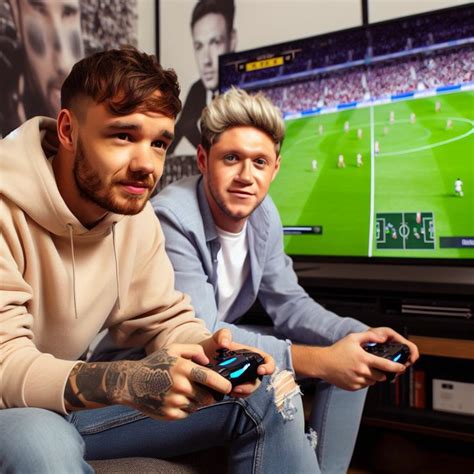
(239, 366)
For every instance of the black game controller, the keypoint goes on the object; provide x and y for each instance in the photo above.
(238, 367)
(394, 351)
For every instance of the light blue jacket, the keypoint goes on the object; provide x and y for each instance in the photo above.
(192, 244)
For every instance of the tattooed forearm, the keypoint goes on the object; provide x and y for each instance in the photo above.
(72, 400)
(142, 384)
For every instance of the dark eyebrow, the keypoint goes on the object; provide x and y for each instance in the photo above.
(167, 134)
(119, 125)
(131, 126)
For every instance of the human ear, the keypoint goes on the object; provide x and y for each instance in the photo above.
(66, 128)
(201, 159)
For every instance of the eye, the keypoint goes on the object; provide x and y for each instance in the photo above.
(216, 41)
(160, 144)
(230, 158)
(260, 162)
(39, 7)
(69, 11)
(122, 136)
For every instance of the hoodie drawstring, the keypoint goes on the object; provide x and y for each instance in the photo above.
(71, 240)
(117, 273)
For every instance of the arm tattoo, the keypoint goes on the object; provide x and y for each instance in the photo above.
(142, 384)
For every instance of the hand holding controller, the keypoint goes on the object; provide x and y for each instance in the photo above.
(239, 366)
(394, 351)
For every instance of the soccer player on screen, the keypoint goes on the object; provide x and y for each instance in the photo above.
(376, 147)
(458, 187)
(340, 161)
(359, 161)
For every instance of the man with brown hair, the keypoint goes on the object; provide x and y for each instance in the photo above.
(81, 250)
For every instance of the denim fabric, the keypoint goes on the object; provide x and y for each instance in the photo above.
(34, 440)
(258, 437)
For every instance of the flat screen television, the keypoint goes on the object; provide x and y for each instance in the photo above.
(378, 159)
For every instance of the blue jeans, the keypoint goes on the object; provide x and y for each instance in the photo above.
(335, 415)
(259, 438)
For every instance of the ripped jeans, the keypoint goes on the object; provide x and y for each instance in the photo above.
(261, 437)
(335, 413)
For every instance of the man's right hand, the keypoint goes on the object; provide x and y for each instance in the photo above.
(168, 384)
(345, 363)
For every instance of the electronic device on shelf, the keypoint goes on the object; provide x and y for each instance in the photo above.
(239, 366)
(394, 351)
(378, 91)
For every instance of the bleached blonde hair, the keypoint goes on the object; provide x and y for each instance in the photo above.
(237, 108)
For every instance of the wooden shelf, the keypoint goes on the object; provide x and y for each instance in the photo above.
(443, 347)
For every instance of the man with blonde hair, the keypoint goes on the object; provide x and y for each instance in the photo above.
(224, 238)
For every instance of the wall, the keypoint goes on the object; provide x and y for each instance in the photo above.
(146, 26)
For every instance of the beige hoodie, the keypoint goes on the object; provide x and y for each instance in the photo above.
(61, 284)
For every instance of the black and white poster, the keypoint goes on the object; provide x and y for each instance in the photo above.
(40, 40)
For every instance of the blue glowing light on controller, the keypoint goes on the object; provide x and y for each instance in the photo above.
(229, 361)
(396, 358)
(239, 372)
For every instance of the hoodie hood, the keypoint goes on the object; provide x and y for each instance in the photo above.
(28, 180)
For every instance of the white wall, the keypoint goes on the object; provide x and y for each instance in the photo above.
(146, 26)
(380, 10)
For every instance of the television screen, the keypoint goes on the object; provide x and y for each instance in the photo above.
(378, 159)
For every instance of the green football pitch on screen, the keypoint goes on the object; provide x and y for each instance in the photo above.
(400, 198)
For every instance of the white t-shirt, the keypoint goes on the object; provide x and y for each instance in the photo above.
(232, 268)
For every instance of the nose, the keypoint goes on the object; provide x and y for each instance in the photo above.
(245, 175)
(62, 59)
(67, 46)
(206, 56)
(142, 161)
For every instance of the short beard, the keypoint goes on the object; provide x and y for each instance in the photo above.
(93, 189)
